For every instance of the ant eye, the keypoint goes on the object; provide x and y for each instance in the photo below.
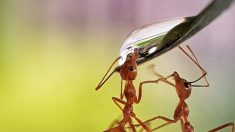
(186, 84)
(131, 68)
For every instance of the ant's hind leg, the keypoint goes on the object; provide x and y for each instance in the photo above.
(142, 124)
(148, 124)
(116, 129)
(132, 126)
(116, 100)
(231, 124)
(165, 124)
(113, 123)
(168, 121)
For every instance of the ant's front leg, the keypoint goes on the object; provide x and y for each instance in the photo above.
(231, 124)
(137, 99)
(164, 79)
(152, 81)
(142, 124)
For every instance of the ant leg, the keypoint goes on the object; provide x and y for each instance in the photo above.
(168, 121)
(114, 122)
(148, 124)
(162, 118)
(161, 126)
(131, 125)
(231, 124)
(162, 78)
(137, 100)
(116, 129)
(151, 67)
(166, 81)
(119, 128)
(142, 124)
(182, 124)
(116, 100)
(121, 94)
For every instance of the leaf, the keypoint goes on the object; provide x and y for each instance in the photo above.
(190, 27)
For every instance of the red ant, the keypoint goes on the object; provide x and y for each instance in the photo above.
(128, 72)
(183, 89)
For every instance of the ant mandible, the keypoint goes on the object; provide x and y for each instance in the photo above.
(128, 72)
(183, 89)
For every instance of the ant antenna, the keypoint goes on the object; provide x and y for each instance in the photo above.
(197, 63)
(103, 80)
(198, 79)
(203, 71)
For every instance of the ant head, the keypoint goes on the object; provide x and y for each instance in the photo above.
(128, 70)
(184, 89)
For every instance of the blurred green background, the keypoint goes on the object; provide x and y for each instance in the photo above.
(53, 53)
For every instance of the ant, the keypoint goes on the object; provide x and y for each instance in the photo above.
(128, 72)
(183, 89)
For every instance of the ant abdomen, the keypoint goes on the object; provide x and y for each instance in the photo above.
(188, 127)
